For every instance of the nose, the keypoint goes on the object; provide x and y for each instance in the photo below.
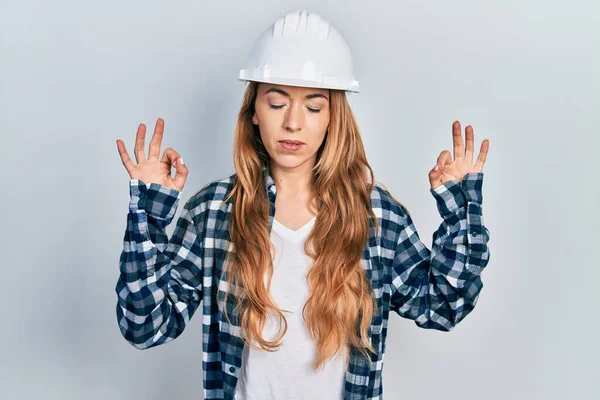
(294, 119)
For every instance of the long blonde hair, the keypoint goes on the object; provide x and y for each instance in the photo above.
(341, 296)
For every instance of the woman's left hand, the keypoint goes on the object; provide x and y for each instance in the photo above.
(455, 170)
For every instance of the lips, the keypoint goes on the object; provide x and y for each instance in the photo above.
(294, 142)
(290, 145)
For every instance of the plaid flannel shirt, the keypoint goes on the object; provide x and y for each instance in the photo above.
(163, 281)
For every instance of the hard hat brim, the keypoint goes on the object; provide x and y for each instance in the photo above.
(354, 87)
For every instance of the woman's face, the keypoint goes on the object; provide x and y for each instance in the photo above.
(291, 113)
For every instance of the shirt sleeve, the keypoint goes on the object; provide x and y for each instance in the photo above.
(160, 281)
(438, 288)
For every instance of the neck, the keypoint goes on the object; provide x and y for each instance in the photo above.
(292, 180)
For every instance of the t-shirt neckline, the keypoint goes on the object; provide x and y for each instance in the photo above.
(291, 234)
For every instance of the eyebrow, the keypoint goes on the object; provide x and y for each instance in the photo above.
(283, 92)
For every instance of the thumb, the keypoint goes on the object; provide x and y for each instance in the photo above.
(436, 172)
(181, 170)
(434, 175)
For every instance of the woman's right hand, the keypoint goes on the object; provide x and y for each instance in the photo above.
(152, 169)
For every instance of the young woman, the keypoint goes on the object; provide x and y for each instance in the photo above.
(299, 256)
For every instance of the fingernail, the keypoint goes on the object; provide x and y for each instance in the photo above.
(436, 167)
(181, 161)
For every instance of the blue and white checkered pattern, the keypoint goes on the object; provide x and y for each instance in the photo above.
(162, 281)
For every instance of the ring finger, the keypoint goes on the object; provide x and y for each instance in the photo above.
(139, 144)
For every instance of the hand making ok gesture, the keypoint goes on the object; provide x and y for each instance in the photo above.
(152, 169)
(447, 169)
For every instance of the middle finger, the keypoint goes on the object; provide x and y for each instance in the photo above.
(154, 151)
(459, 147)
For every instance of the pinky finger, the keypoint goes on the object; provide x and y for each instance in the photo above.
(485, 145)
(127, 163)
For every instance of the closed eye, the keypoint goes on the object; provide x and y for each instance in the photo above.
(314, 110)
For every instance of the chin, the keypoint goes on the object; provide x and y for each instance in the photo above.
(288, 161)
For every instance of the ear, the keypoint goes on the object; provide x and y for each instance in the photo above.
(254, 119)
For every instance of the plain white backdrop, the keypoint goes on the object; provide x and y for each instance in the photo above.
(75, 76)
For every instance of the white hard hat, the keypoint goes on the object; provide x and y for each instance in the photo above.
(301, 49)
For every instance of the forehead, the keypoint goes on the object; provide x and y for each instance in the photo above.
(292, 91)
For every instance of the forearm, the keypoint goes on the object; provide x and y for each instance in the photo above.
(438, 288)
(159, 285)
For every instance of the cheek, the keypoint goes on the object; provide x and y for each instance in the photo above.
(323, 126)
(267, 136)
(264, 124)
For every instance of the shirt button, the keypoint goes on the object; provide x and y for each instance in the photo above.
(231, 369)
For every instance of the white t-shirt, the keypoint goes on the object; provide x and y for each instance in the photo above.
(286, 374)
